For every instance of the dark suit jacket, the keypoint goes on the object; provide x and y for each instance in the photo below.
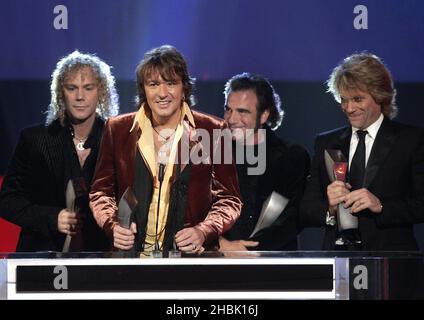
(394, 174)
(33, 191)
(287, 167)
(212, 195)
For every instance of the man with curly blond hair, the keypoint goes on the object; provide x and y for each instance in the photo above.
(65, 149)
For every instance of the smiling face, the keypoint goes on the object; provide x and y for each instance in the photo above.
(81, 95)
(164, 97)
(360, 108)
(241, 113)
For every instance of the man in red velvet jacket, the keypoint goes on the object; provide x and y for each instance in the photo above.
(197, 200)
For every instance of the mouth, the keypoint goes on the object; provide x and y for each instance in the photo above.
(164, 103)
(354, 116)
(80, 107)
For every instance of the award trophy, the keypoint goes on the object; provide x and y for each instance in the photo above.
(76, 189)
(126, 207)
(271, 210)
(336, 165)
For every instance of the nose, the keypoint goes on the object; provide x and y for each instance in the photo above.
(163, 90)
(231, 117)
(349, 106)
(80, 94)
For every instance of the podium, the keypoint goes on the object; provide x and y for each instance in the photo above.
(212, 275)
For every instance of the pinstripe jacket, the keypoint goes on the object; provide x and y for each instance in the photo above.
(33, 191)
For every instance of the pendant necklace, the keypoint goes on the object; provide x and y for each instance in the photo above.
(80, 144)
(165, 139)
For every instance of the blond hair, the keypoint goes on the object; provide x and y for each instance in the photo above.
(366, 72)
(108, 104)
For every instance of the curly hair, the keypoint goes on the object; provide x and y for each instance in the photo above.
(108, 104)
(366, 72)
(268, 99)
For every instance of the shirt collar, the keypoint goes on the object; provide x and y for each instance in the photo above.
(373, 128)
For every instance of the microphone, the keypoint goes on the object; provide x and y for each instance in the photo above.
(162, 160)
(161, 174)
(156, 253)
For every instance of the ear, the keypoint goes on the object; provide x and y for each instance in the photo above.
(264, 117)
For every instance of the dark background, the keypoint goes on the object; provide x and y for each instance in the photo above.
(295, 43)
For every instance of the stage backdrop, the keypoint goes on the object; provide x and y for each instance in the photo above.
(295, 43)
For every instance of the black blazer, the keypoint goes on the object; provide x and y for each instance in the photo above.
(33, 191)
(287, 167)
(394, 174)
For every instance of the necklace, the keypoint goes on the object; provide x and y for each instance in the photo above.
(164, 138)
(80, 144)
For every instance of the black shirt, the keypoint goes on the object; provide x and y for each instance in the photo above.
(93, 238)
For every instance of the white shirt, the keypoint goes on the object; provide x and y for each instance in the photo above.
(369, 139)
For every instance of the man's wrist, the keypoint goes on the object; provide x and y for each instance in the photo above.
(222, 240)
(332, 210)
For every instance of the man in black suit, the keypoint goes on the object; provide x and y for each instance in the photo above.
(265, 164)
(385, 187)
(47, 156)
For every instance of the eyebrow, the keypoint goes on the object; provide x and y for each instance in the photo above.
(353, 97)
(164, 80)
(237, 109)
(242, 109)
(74, 85)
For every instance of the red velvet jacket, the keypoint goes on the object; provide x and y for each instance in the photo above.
(213, 199)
